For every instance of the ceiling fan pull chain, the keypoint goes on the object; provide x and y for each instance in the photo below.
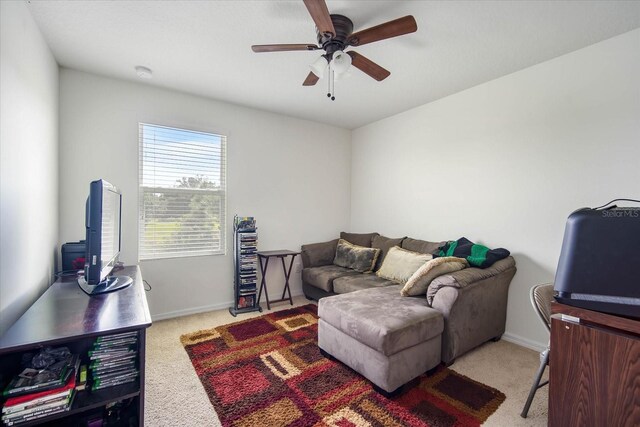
(333, 83)
(329, 81)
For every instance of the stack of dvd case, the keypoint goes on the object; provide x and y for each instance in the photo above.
(113, 360)
(245, 263)
(45, 387)
(30, 407)
(248, 264)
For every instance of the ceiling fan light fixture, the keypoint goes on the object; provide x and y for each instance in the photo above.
(343, 76)
(341, 62)
(334, 34)
(319, 66)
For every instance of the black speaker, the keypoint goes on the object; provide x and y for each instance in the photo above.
(599, 266)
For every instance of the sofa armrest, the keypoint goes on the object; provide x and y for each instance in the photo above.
(465, 277)
(318, 254)
(473, 313)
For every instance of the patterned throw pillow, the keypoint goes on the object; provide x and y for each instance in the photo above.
(419, 282)
(400, 264)
(355, 257)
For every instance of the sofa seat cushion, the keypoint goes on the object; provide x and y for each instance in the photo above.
(352, 283)
(382, 319)
(322, 277)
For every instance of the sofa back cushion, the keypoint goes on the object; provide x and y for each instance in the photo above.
(400, 264)
(358, 258)
(360, 239)
(384, 244)
(422, 246)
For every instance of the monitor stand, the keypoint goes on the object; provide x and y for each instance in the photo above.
(110, 284)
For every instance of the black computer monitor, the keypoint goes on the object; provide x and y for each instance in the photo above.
(103, 236)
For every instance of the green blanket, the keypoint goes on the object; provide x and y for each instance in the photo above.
(477, 255)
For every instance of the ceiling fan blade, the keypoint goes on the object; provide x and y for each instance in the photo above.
(368, 66)
(311, 80)
(282, 47)
(320, 14)
(394, 28)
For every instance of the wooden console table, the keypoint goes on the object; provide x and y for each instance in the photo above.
(594, 368)
(282, 254)
(65, 316)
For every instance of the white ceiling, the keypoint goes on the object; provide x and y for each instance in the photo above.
(203, 47)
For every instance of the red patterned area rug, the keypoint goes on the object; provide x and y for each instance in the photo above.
(268, 371)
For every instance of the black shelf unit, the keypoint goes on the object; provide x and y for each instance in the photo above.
(245, 266)
(65, 316)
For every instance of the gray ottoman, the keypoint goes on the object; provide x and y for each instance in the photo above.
(387, 338)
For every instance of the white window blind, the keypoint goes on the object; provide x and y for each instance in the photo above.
(182, 193)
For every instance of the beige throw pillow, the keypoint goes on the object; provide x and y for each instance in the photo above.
(384, 244)
(400, 264)
(419, 282)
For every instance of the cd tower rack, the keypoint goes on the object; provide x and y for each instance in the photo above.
(245, 263)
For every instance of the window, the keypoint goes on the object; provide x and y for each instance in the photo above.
(182, 193)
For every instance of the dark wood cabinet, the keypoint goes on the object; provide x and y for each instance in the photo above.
(65, 316)
(594, 369)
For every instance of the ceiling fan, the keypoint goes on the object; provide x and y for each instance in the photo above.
(335, 34)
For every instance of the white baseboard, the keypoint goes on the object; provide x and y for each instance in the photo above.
(201, 309)
(192, 310)
(507, 336)
(523, 342)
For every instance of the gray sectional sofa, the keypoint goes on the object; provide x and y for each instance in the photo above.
(472, 301)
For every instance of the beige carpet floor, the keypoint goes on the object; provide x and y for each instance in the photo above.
(175, 397)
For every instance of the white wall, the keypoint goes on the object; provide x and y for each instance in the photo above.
(28, 162)
(504, 163)
(292, 175)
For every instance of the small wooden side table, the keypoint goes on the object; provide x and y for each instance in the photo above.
(265, 256)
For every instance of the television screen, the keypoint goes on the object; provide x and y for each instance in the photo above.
(103, 212)
(110, 229)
